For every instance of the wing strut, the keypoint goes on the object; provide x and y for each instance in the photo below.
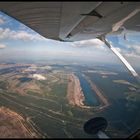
(123, 60)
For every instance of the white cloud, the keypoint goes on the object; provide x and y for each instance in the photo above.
(134, 52)
(22, 27)
(95, 43)
(118, 49)
(2, 46)
(136, 49)
(19, 35)
(2, 21)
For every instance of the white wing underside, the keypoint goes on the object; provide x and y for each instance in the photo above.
(74, 21)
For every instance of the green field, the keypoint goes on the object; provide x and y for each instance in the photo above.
(48, 109)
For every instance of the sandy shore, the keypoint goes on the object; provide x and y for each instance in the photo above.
(99, 93)
(75, 94)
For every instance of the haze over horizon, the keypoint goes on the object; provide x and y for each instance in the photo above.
(18, 42)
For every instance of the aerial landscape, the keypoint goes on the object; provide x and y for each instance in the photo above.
(49, 100)
(49, 89)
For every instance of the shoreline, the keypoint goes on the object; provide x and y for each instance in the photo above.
(75, 94)
(98, 92)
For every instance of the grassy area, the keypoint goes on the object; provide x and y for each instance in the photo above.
(30, 92)
(121, 82)
(59, 89)
(133, 96)
(3, 84)
(126, 83)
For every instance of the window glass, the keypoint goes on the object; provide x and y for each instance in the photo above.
(52, 88)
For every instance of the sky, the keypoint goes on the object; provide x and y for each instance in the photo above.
(17, 41)
(128, 44)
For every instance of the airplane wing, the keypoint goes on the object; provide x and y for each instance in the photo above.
(74, 21)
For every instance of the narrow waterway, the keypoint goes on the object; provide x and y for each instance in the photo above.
(91, 98)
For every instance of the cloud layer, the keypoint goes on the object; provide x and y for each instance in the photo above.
(2, 46)
(19, 35)
(135, 52)
(2, 21)
(87, 43)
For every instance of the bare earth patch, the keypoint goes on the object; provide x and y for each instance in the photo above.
(75, 94)
(12, 125)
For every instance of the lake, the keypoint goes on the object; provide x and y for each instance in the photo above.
(91, 98)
